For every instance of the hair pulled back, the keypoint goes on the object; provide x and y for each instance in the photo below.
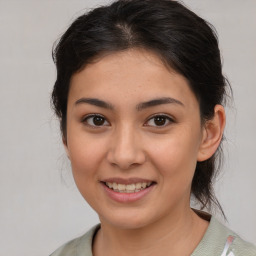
(184, 41)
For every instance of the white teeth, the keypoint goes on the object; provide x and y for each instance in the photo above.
(110, 185)
(114, 186)
(138, 185)
(121, 187)
(130, 188)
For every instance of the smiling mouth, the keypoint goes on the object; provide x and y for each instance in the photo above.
(128, 188)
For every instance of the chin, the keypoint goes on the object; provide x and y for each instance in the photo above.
(127, 221)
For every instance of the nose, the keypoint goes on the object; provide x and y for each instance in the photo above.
(126, 150)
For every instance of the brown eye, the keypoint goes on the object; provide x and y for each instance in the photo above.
(98, 120)
(95, 121)
(159, 121)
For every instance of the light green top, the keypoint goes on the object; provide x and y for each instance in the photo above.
(217, 241)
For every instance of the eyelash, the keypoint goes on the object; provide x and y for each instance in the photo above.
(164, 117)
(86, 118)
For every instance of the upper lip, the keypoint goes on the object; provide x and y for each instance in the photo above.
(126, 181)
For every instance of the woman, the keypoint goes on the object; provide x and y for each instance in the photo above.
(139, 94)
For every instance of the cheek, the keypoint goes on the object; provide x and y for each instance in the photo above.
(176, 158)
(86, 155)
(85, 161)
(176, 170)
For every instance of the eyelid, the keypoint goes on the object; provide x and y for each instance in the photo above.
(92, 115)
(168, 117)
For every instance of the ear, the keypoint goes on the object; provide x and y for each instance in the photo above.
(65, 144)
(212, 134)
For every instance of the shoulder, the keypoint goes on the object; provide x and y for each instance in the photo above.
(234, 244)
(241, 248)
(78, 246)
(220, 240)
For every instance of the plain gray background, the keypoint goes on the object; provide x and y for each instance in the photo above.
(40, 205)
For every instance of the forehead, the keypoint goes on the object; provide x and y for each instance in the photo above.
(133, 75)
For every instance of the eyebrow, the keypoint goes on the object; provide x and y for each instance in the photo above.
(156, 102)
(95, 102)
(139, 107)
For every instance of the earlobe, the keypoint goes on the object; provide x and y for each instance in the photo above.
(212, 134)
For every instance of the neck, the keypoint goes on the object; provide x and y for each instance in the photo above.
(165, 237)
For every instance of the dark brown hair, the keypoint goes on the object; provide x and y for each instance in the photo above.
(183, 41)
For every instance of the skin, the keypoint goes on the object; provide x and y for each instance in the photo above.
(128, 143)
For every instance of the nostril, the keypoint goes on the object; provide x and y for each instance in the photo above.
(126, 159)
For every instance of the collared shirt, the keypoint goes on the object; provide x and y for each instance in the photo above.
(217, 241)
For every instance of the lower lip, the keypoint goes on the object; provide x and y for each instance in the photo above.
(127, 197)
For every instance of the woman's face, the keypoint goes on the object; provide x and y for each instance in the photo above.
(133, 126)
